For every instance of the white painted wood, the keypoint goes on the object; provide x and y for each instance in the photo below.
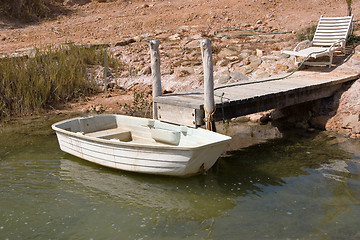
(330, 36)
(155, 72)
(177, 114)
(209, 104)
(181, 151)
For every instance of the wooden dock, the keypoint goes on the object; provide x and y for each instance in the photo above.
(187, 108)
(242, 98)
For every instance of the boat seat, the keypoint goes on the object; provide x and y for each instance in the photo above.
(166, 136)
(114, 133)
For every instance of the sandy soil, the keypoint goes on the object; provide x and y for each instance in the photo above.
(110, 22)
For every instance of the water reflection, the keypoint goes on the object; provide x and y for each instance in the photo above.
(184, 198)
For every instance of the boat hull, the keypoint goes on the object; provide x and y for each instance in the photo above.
(143, 158)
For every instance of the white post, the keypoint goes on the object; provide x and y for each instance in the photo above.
(209, 102)
(105, 73)
(155, 72)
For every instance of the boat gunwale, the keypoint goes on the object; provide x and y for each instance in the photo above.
(134, 144)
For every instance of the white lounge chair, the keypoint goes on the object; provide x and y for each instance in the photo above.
(330, 36)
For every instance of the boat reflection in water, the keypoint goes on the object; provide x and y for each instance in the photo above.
(194, 198)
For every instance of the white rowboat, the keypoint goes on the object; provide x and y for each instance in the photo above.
(140, 144)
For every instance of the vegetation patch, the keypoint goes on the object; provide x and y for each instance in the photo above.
(140, 107)
(306, 33)
(51, 76)
(29, 10)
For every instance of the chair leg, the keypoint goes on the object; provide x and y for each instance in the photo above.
(331, 59)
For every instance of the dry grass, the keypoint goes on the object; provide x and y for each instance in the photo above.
(25, 9)
(50, 77)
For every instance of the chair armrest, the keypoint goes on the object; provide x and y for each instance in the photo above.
(302, 45)
(340, 43)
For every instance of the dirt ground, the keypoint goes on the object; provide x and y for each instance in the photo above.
(175, 22)
(110, 22)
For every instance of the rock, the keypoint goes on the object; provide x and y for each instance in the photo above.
(226, 52)
(356, 128)
(246, 69)
(281, 67)
(222, 63)
(76, 2)
(125, 42)
(350, 121)
(222, 77)
(319, 122)
(260, 74)
(264, 119)
(244, 55)
(255, 117)
(254, 61)
(259, 53)
(232, 58)
(238, 76)
(146, 70)
(175, 37)
(242, 119)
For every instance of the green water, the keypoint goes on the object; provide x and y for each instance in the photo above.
(302, 186)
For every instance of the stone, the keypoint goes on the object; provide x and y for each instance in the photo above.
(255, 117)
(242, 119)
(260, 74)
(319, 122)
(226, 52)
(246, 69)
(232, 58)
(175, 37)
(238, 76)
(259, 53)
(255, 61)
(244, 55)
(222, 77)
(264, 119)
(125, 42)
(222, 63)
(281, 67)
(146, 70)
(350, 121)
(76, 2)
(356, 128)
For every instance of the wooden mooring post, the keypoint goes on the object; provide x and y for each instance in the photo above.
(155, 73)
(209, 102)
